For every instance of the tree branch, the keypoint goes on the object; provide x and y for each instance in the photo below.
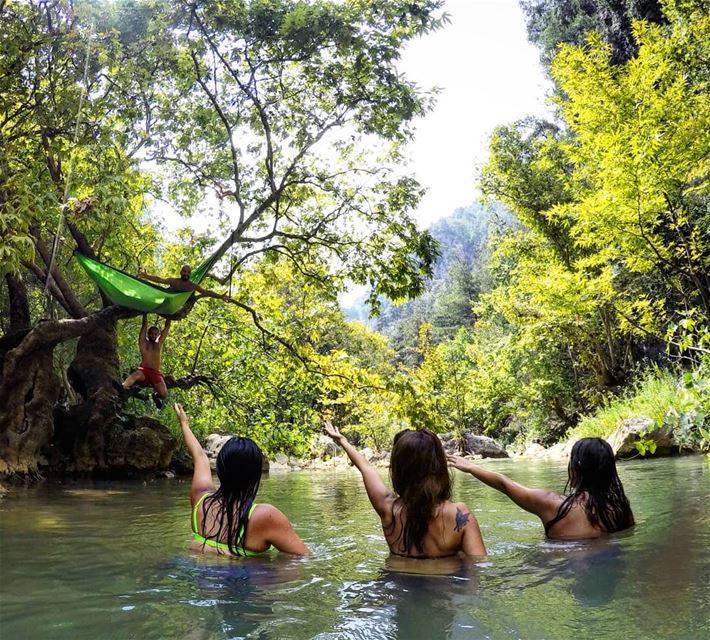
(73, 306)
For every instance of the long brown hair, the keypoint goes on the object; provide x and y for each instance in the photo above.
(420, 477)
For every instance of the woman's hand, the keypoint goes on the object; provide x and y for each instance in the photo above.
(332, 431)
(460, 463)
(181, 415)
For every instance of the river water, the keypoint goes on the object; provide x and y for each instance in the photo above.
(111, 560)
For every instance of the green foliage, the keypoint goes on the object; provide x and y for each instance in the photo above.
(645, 445)
(439, 397)
(259, 389)
(689, 417)
(280, 121)
(289, 115)
(615, 201)
(283, 122)
(652, 394)
(529, 172)
(611, 266)
(554, 22)
(683, 405)
(41, 110)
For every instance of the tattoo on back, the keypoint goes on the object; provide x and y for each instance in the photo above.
(461, 519)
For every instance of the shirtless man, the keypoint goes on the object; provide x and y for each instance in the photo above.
(183, 283)
(150, 343)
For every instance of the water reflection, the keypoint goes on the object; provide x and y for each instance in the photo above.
(411, 599)
(114, 562)
(213, 597)
(592, 569)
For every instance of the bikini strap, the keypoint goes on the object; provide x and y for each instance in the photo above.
(194, 511)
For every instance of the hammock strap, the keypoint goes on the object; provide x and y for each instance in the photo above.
(67, 182)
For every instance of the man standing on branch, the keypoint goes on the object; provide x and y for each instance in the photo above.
(183, 283)
(150, 343)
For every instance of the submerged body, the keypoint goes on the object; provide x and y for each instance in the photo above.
(418, 518)
(200, 542)
(596, 506)
(227, 520)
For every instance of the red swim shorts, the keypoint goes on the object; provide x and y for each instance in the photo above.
(152, 376)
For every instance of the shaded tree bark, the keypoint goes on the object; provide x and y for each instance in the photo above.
(19, 305)
(37, 433)
(29, 390)
(94, 376)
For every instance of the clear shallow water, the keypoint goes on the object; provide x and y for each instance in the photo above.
(104, 560)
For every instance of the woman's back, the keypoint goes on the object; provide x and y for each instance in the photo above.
(451, 530)
(227, 519)
(597, 504)
(418, 519)
(575, 525)
(266, 526)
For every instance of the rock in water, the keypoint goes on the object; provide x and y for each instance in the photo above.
(484, 446)
(144, 445)
(623, 440)
(213, 445)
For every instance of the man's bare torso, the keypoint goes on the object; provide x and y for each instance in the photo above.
(178, 284)
(150, 354)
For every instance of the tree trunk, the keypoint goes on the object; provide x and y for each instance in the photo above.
(19, 305)
(95, 436)
(37, 433)
(19, 316)
(94, 376)
(29, 390)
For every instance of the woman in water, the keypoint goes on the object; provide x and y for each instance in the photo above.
(595, 506)
(227, 520)
(418, 519)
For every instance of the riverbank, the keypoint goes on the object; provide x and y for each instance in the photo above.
(661, 415)
(634, 438)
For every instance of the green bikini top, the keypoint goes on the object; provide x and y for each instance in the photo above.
(222, 546)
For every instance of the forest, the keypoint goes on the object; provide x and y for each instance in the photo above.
(575, 294)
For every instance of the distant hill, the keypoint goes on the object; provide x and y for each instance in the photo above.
(456, 282)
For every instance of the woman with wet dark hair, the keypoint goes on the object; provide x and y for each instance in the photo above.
(227, 520)
(418, 518)
(595, 506)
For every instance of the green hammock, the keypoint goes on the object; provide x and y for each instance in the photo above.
(133, 293)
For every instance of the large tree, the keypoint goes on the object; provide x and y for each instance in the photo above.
(280, 122)
(616, 204)
(555, 22)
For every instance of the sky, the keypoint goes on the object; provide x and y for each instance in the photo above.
(489, 75)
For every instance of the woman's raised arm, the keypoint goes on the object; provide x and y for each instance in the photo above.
(543, 504)
(202, 473)
(380, 496)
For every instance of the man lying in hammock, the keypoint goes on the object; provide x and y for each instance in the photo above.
(183, 283)
(150, 343)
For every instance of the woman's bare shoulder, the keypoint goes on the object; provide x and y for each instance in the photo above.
(265, 514)
(458, 513)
